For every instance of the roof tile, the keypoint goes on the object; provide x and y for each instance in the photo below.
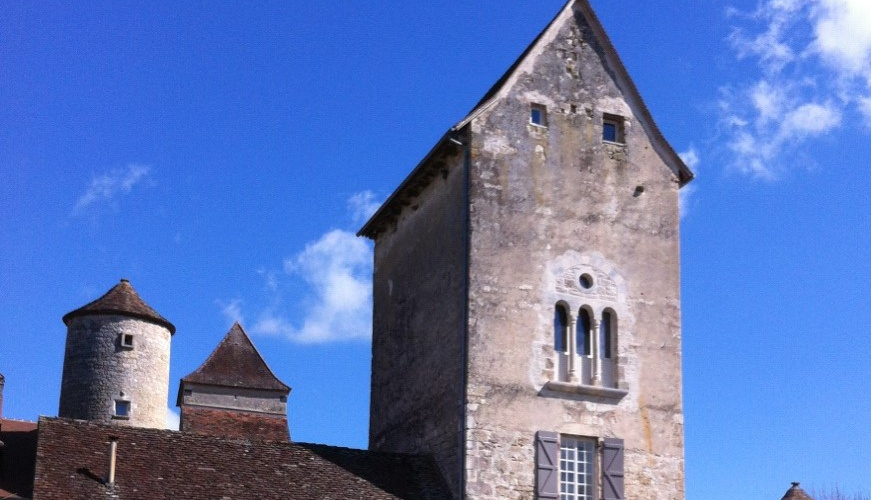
(122, 300)
(236, 363)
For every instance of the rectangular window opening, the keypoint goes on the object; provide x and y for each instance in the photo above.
(538, 115)
(612, 129)
(577, 468)
(122, 409)
(126, 340)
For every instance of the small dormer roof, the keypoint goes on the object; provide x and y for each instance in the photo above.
(236, 363)
(796, 493)
(121, 300)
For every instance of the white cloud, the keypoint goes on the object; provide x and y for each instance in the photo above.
(336, 304)
(107, 187)
(865, 109)
(691, 158)
(843, 35)
(809, 120)
(812, 58)
(232, 310)
(362, 206)
(172, 419)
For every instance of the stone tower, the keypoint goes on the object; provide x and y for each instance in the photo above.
(116, 361)
(526, 326)
(234, 394)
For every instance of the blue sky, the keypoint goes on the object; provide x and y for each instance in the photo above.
(221, 155)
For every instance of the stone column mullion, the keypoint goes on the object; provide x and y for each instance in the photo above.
(595, 355)
(573, 347)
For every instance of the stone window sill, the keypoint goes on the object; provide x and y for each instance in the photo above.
(587, 390)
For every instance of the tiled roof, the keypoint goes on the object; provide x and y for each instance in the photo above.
(796, 493)
(73, 460)
(17, 458)
(123, 300)
(236, 363)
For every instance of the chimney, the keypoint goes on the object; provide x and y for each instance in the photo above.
(113, 455)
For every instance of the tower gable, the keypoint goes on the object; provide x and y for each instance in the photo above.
(234, 393)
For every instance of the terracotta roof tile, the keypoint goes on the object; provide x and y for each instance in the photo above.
(122, 300)
(18, 457)
(236, 363)
(151, 463)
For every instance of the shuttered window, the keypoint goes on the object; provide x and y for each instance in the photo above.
(566, 468)
(612, 469)
(547, 467)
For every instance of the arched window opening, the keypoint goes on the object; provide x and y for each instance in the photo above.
(560, 328)
(585, 344)
(606, 330)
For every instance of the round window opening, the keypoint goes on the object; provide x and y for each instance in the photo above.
(586, 281)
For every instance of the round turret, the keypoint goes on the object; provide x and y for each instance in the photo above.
(116, 362)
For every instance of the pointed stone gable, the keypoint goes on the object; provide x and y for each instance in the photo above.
(236, 363)
(450, 145)
(121, 300)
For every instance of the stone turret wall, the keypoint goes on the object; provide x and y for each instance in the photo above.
(98, 371)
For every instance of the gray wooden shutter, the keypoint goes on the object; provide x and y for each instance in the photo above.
(546, 465)
(612, 469)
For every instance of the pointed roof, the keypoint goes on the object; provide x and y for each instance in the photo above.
(423, 172)
(236, 363)
(796, 493)
(122, 300)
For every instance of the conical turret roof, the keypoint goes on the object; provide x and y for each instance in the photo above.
(796, 493)
(236, 363)
(122, 300)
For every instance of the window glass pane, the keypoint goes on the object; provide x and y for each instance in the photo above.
(122, 408)
(609, 132)
(583, 333)
(576, 469)
(560, 329)
(605, 335)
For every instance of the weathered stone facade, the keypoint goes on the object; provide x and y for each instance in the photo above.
(524, 206)
(417, 355)
(98, 370)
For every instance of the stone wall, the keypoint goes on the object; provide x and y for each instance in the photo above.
(418, 328)
(548, 203)
(98, 370)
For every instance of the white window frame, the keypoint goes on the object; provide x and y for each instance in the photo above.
(541, 110)
(125, 340)
(578, 468)
(125, 403)
(619, 124)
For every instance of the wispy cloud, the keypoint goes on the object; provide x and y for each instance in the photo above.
(813, 69)
(336, 271)
(173, 420)
(691, 158)
(362, 206)
(232, 310)
(108, 187)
